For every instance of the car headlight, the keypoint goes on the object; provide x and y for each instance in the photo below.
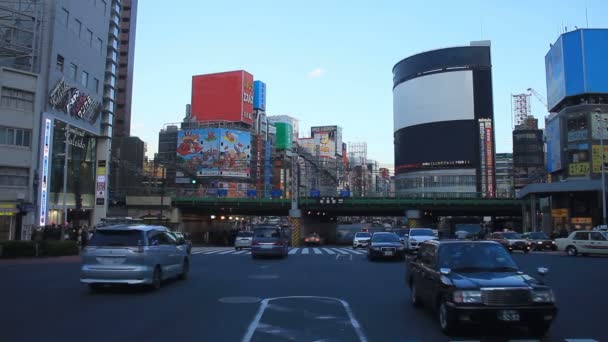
(467, 297)
(540, 242)
(553, 242)
(543, 296)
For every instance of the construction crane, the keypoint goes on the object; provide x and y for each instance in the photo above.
(539, 97)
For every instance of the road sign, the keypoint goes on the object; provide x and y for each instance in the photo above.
(331, 200)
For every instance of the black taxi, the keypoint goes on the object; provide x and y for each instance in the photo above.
(468, 282)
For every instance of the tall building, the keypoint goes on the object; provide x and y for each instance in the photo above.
(504, 175)
(126, 57)
(444, 123)
(58, 74)
(528, 154)
(577, 93)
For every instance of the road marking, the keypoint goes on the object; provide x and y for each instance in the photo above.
(354, 251)
(226, 252)
(215, 251)
(580, 340)
(304, 250)
(294, 250)
(317, 251)
(253, 326)
(340, 251)
(241, 252)
(328, 251)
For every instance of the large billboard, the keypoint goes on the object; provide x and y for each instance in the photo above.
(218, 152)
(576, 64)
(329, 140)
(284, 136)
(226, 96)
(259, 95)
(486, 157)
(554, 145)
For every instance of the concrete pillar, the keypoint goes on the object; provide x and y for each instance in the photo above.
(533, 217)
(414, 218)
(102, 174)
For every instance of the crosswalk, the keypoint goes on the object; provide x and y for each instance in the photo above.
(308, 251)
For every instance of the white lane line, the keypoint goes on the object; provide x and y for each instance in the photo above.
(294, 250)
(354, 251)
(317, 251)
(304, 250)
(197, 252)
(241, 252)
(215, 251)
(339, 251)
(328, 251)
(227, 252)
(253, 326)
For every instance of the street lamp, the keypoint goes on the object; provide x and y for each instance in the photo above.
(602, 130)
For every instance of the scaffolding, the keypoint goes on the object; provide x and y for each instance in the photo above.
(357, 171)
(20, 34)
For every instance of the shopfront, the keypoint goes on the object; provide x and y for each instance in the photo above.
(8, 220)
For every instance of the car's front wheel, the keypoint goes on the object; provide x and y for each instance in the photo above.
(571, 251)
(156, 278)
(446, 321)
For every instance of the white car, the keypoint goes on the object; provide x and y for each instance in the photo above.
(584, 242)
(361, 239)
(417, 236)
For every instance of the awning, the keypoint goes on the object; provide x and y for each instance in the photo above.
(565, 186)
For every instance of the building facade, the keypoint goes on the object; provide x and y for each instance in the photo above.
(504, 175)
(444, 123)
(126, 58)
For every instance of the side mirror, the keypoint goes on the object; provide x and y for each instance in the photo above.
(543, 271)
(445, 271)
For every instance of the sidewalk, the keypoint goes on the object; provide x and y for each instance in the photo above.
(41, 260)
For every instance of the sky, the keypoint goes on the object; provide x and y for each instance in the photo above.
(329, 62)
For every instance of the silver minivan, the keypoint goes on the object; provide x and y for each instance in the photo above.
(132, 255)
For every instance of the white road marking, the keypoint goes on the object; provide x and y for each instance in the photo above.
(294, 250)
(253, 326)
(317, 251)
(215, 251)
(304, 250)
(354, 251)
(339, 251)
(328, 251)
(241, 252)
(226, 252)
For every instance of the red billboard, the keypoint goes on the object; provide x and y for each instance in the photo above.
(225, 96)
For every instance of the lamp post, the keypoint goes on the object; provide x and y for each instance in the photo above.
(602, 131)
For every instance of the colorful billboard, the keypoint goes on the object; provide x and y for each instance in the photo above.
(284, 136)
(218, 152)
(259, 95)
(486, 157)
(329, 140)
(226, 96)
(554, 145)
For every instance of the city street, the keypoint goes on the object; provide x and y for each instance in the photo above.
(306, 297)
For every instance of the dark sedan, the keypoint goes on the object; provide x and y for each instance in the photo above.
(478, 282)
(540, 241)
(385, 245)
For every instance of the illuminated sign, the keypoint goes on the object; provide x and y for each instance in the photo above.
(486, 154)
(578, 169)
(74, 102)
(45, 172)
(75, 137)
(582, 220)
(435, 164)
(596, 155)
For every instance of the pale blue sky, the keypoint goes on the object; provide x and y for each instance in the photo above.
(329, 62)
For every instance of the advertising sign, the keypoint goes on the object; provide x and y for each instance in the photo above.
(563, 212)
(72, 101)
(599, 126)
(284, 136)
(554, 145)
(596, 157)
(259, 95)
(578, 169)
(486, 157)
(226, 96)
(44, 185)
(215, 151)
(329, 140)
(554, 72)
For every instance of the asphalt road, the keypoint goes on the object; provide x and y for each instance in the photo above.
(308, 297)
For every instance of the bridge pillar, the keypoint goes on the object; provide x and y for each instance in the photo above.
(413, 218)
(295, 217)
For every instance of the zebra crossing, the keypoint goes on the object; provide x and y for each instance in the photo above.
(306, 251)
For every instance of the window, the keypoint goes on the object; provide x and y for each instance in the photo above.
(581, 236)
(90, 37)
(427, 255)
(64, 17)
(73, 70)
(120, 106)
(110, 237)
(99, 45)
(17, 99)
(126, 31)
(125, 19)
(96, 85)
(60, 62)
(122, 77)
(84, 79)
(77, 27)
(126, 8)
(121, 90)
(15, 136)
(123, 53)
(597, 236)
(124, 42)
(13, 176)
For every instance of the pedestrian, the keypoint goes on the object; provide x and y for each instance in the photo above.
(84, 238)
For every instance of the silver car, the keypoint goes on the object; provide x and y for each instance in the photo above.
(132, 255)
(417, 236)
(243, 240)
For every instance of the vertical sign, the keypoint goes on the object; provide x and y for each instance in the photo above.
(489, 159)
(100, 189)
(259, 95)
(247, 104)
(482, 155)
(45, 172)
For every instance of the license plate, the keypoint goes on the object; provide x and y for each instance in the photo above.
(110, 261)
(508, 315)
(267, 246)
(388, 253)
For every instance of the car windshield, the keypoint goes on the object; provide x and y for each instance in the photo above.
(267, 233)
(385, 238)
(470, 228)
(116, 238)
(421, 232)
(476, 257)
(538, 236)
(245, 234)
(511, 236)
(363, 235)
(401, 232)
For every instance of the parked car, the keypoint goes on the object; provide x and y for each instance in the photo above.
(385, 245)
(540, 241)
(269, 241)
(361, 239)
(417, 236)
(132, 255)
(478, 282)
(584, 242)
(243, 240)
(312, 239)
(512, 241)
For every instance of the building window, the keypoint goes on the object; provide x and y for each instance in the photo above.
(124, 31)
(15, 136)
(99, 45)
(121, 90)
(125, 19)
(85, 79)
(64, 17)
(120, 106)
(96, 83)
(17, 99)
(126, 8)
(90, 37)
(122, 77)
(60, 62)
(77, 27)
(124, 42)
(13, 176)
(123, 53)
(73, 71)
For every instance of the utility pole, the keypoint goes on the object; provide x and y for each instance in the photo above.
(295, 215)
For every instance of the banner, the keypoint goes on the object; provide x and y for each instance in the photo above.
(596, 157)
